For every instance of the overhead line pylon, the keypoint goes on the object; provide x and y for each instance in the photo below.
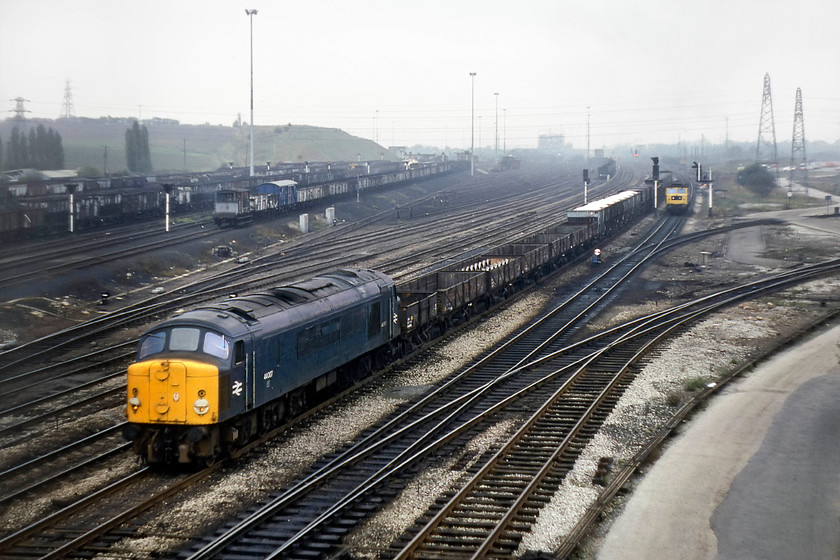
(798, 165)
(767, 127)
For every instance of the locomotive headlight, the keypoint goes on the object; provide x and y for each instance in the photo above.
(135, 403)
(201, 406)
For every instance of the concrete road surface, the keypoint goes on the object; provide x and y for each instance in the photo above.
(754, 476)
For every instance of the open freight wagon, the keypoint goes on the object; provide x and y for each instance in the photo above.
(453, 293)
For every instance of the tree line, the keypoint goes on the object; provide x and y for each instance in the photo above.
(40, 149)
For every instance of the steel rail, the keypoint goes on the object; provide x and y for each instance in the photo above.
(368, 445)
(649, 324)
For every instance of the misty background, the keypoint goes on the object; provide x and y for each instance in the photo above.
(605, 72)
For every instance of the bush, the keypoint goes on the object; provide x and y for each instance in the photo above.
(674, 398)
(757, 178)
(695, 384)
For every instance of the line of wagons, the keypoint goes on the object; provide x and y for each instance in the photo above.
(208, 380)
(43, 207)
(236, 207)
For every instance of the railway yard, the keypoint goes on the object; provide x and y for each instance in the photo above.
(511, 435)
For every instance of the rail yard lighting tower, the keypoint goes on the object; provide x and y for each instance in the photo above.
(496, 154)
(472, 128)
(504, 131)
(251, 14)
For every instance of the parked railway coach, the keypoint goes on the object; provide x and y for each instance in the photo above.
(208, 380)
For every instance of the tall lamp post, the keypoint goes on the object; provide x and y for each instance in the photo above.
(251, 14)
(472, 128)
(496, 154)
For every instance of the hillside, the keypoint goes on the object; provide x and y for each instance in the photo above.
(178, 147)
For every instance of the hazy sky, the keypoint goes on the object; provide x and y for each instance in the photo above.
(650, 71)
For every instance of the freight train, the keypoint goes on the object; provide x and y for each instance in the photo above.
(239, 206)
(42, 207)
(209, 380)
(47, 213)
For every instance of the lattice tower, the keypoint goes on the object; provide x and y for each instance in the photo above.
(19, 110)
(798, 159)
(766, 127)
(67, 110)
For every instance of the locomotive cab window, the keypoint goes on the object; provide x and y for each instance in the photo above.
(152, 344)
(216, 345)
(239, 352)
(184, 338)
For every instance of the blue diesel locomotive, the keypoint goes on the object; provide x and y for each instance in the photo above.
(209, 379)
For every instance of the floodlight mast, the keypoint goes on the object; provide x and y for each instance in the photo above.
(472, 127)
(251, 14)
(496, 150)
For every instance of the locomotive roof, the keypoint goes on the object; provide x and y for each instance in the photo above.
(233, 315)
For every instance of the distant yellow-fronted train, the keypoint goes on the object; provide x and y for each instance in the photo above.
(676, 198)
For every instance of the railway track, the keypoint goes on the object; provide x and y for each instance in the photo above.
(24, 419)
(333, 533)
(31, 473)
(83, 521)
(329, 248)
(487, 516)
(91, 249)
(94, 251)
(486, 386)
(112, 392)
(484, 516)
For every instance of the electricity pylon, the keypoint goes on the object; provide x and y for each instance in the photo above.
(798, 159)
(767, 127)
(67, 110)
